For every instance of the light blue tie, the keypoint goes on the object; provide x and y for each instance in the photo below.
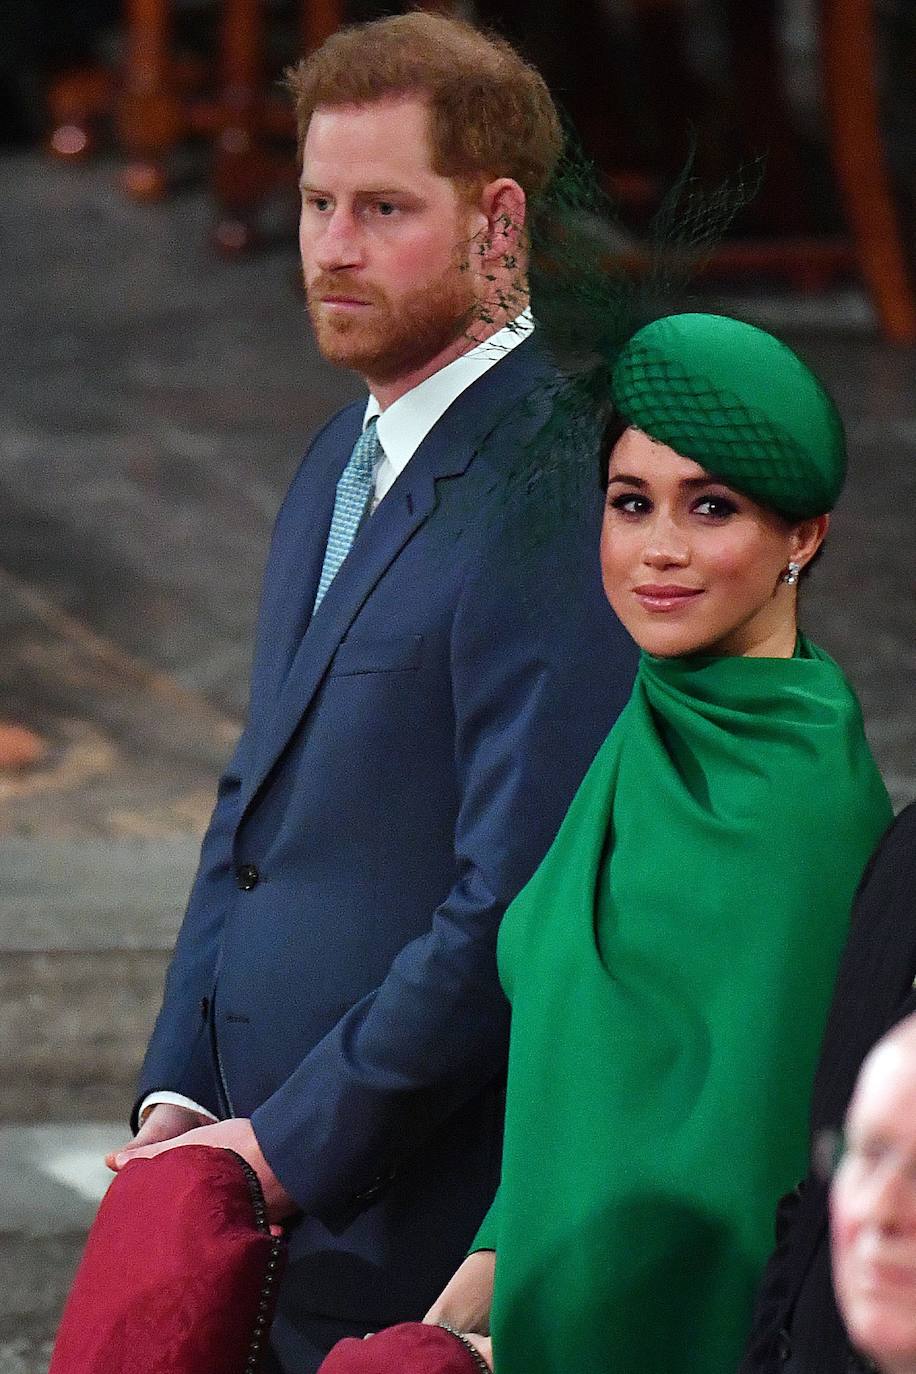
(354, 492)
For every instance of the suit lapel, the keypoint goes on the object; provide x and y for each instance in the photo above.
(294, 569)
(445, 452)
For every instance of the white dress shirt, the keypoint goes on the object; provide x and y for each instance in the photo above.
(401, 430)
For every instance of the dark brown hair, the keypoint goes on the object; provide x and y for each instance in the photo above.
(615, 428)
(491, 112)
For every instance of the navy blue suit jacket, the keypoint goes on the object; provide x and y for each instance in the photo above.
(409, 753)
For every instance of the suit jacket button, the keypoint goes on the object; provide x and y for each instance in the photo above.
(247, 877)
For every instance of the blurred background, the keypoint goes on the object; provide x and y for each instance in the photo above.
(158, 385)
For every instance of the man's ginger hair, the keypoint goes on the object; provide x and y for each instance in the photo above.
(491, 114)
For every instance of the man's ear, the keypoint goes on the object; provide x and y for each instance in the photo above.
(807, 537)
(502, 203)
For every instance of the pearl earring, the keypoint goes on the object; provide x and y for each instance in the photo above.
(790, 576)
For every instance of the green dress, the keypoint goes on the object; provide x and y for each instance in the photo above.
(669, 967)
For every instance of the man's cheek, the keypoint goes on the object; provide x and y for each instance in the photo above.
(843, 1230)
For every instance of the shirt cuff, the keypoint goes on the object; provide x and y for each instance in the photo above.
(174, 1100)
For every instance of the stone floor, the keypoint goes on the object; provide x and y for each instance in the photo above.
(154, 401)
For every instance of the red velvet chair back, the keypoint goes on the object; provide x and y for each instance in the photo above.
(179, 1274)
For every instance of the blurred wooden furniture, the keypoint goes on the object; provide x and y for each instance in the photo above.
(153, 114)
(149, 112)
(738, 104)
(849, 63)
(160, 102)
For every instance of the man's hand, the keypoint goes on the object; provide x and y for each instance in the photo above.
(236, 1135)
(165, 1121)
(466, 1299)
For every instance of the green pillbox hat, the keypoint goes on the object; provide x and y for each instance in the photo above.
(739, 402)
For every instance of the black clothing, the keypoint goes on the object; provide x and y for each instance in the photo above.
(797, 1329)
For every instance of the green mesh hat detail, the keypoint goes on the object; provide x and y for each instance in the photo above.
(739, 402)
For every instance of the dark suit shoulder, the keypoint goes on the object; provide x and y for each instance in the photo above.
(322, 461)
(519, 401)
(876, 972)
(796, 1315)
(338, 434)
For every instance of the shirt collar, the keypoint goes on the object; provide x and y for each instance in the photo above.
(407, 421)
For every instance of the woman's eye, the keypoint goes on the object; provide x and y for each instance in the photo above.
(718, 507)
(631, 503)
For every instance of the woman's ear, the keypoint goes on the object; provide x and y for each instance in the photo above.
(807, 537)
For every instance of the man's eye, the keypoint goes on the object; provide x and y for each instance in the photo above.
(320, 203)
(870, 1154)
(385, 207)
(630, 503)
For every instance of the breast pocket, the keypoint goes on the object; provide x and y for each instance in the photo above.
(398, 655)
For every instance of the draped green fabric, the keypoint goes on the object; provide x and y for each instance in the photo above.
(669, 967)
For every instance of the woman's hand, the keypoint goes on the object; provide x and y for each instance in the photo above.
(482, 1344)
(466, 1299)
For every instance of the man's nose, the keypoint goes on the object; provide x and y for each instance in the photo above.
(339, 244)
(893, 1196)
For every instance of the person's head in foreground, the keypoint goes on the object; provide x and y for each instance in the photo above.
(873, 1206)
(725, 455)
(421, 140)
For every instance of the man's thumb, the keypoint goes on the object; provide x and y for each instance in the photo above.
(120, 1151)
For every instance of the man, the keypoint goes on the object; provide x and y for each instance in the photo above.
(797, 1329)
(873, 1207)
(423, 705)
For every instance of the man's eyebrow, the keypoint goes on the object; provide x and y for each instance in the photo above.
(388, 193)
(400, 195)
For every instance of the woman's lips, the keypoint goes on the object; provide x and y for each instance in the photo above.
(665, 597)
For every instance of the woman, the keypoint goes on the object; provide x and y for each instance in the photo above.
(670, 963)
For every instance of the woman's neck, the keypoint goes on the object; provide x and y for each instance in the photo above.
(779, 644)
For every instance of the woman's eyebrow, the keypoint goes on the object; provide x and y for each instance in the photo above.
(691, 483)
(625, 477)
